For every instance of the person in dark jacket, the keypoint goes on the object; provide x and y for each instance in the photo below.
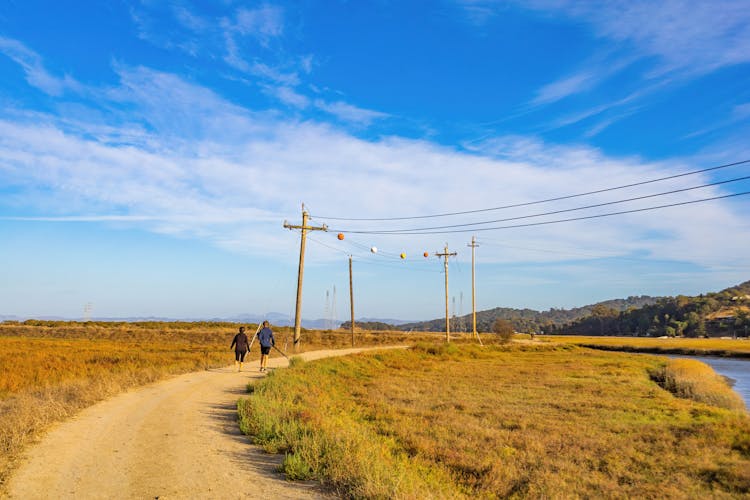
(241, 346)
(265, 337)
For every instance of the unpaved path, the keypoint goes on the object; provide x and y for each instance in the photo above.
(178, 438)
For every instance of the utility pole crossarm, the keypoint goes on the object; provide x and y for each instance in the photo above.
(304, 228)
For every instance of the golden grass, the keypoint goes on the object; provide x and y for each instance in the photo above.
(52, 369)
(739, 348)
(518, 421)
(45, 380)
(689, 378)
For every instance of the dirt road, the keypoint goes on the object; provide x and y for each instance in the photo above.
(174, 439)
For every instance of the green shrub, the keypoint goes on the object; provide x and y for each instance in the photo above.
(296, 469)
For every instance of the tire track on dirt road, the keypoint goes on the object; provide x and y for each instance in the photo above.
(178, 438)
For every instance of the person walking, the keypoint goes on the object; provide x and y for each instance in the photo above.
(265, 337)
(241, 346)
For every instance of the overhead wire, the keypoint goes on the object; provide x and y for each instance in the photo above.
(558, 198)
(492, 243)
(554, 212)
(558, 221)
(369, 259)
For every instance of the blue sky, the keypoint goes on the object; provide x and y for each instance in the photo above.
(151, 151)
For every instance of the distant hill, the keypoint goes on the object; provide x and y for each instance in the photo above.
(522, 319)
(276, 319)
(724, 313)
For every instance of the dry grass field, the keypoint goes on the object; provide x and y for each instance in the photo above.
(409, 420)
(516, 421)
(738, 348)
(52, 369)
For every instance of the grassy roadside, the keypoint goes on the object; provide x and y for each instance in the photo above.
(53, 369)
(540, 420)
(728, 348)
(46, 380)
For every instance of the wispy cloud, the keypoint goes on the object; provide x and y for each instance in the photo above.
(262, 24)
(189, 192)
(691, 36)
(182, 160)
(349, 113)
(566, 87)
(265, 22)
(739, 113)
(36, 74)
(688, 35)
(281, 79)
(288, 96)
(661, 44)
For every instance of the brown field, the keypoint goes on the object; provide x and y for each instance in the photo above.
(57, 368)
(517, 421)
(52, 369)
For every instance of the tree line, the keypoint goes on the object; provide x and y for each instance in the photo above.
(724, 313)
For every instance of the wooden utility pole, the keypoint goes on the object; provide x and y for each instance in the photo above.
(301, 271)
(445, 255)
(473, 245)
(351, 296)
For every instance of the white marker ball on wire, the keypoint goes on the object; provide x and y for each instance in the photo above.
(374, 249)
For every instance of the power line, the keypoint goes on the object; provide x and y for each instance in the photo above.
(554, 212)
(692, 172)
(555, 221)
(368, 260)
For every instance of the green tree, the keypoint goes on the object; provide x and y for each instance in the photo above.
(700, 330)
(742, 321)
(604, 314)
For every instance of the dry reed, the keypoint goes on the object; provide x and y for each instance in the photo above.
(513, 422)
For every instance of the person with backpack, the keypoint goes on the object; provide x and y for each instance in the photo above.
(266, 340)
(241, 346)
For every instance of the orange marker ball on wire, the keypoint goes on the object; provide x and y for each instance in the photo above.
(340, 236)
(427, 254)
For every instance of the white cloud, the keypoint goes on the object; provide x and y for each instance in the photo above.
(288, 96)
(264, 22)
(672, 41)
(274, 74)
(349, 113)
(179, 159)
(688, 35)
(249, 189)
(694, 36)
(190, 20)
(36, 75)
(566, 87)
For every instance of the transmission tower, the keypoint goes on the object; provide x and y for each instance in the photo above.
(453, 309)
(333, 309)
(327, 314)
(461, 312)
(87, 308)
